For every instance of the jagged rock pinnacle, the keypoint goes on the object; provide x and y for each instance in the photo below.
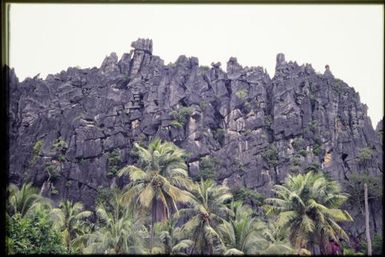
(327, 72)
(143, 45)
(280, 59)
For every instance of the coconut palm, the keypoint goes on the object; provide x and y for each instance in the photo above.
(119, 231)
(70, 217)
(159, 182)
(272, 240)
(240, 231)
(22, 200)
(205, 214)
(171, 237)
(308, 207)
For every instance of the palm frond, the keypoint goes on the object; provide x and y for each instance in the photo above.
(233, 251)
(181, 246)
(339, 215)
(146, 196)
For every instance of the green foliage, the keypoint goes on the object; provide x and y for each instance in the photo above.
(162, 211)
(120, 229)
(104, 196)
(204, 214)
(239, 232)
(350, 252)
(37, 147)
(219, 135)
(180, 116)
(142, 139)
(159, 181)
(172, 239)
(36, 151)
(317, 149)
(271, 156)
(374, 183)
(313, 126)
(53, 170)
(245, 194)
(272, 239)
(355, 188)
(114, 161)
(377, 246)
(23, 200)
(203, 104)
(365, 155)
(60, 146)
(207, 167)
(302, 152)
(176, 124)
(314, 166)
(238, 166)
(70, 218)
(298, 144)
(307, 206)
(295, 169)
(296, 161)
(54, 191)
(241, 94)
(33, 235)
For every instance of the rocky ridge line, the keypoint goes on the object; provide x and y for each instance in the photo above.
(70, 132)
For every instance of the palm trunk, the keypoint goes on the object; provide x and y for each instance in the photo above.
(193, 248)
(373, 216)
(153, 219)
(195, 242)
(69, 247)
(68, 239)
(367, 221)
(316, 249)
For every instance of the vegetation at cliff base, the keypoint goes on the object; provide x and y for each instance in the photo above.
(161, 210)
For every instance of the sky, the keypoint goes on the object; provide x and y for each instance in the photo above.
(49, 38)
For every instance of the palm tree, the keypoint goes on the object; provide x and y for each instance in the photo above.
(240, 232)
(272, 240)
(171, 237)
(308, 207)
(205, 214)
(70, 218)
(160, 181)
(119, 231)
(22, 200)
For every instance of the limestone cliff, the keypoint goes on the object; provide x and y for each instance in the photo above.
(76, 128)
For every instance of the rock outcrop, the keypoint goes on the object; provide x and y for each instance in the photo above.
(75, 129)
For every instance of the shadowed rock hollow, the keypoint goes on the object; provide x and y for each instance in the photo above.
(71, 132)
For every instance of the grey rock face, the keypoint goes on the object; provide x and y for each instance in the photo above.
(255, 128)
(143, 45)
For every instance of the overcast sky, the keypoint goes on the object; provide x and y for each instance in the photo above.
(49, 38)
